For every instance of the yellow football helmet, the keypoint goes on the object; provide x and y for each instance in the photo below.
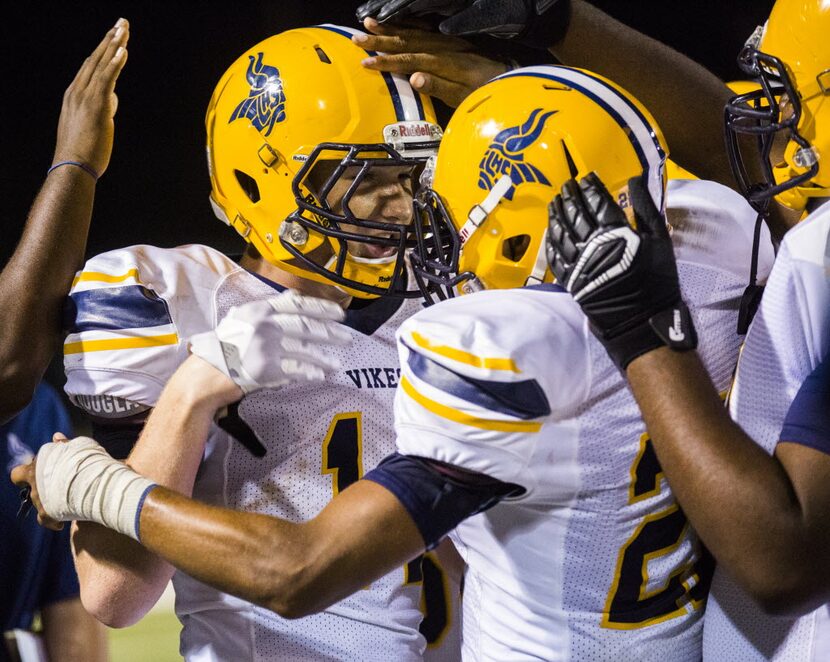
(506, 152)
(296, 101)
(790, 59)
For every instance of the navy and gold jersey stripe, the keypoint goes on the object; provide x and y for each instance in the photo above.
(115, 308)
(464, 418)
(525, 399)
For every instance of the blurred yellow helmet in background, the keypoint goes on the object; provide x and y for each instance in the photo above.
(789, 58)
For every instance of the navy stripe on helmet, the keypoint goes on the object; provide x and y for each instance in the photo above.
(639, 147)
(397, 102)
(387, 77)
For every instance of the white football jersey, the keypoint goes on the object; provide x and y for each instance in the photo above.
(594, 561)
(787, 340)
(134, 310)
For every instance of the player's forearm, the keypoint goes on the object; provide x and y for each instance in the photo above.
(685, 98)
(120, 579)
(35, 282)
(292, 569)
(739, 499)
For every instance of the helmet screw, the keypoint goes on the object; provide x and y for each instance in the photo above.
(293, 233)
(269, 237)
(472, 286)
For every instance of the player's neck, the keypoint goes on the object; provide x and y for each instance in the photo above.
(305, 286)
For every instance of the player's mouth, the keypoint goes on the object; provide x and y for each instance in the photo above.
(376, 251)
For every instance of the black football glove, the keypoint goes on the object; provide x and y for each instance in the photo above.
(383, 10)
(534, 23)
(624, 279)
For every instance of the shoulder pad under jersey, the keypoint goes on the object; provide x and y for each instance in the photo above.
(713, 225)
(481, 374)
(129, 315)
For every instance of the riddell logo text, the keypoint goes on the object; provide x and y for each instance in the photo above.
(416, 131)
(375, 377)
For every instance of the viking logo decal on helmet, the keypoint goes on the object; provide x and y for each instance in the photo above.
(504, 156)
(265, 105)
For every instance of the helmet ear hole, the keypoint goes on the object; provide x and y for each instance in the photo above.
(515, 247)
(248, 185)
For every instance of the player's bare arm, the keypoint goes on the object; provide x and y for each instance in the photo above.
(764, 518)
(686, 99)
(266, 343)
(292, 569)
(39, 274)
(121, 580)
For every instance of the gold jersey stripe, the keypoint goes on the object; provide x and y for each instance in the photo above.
(465, 419)
(101, 277)
(466, 357)
(82, 346)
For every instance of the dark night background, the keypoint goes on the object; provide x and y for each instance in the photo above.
(155, 190)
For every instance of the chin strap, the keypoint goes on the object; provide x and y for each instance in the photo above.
(540, 267)
(479, 213)
(751, 298)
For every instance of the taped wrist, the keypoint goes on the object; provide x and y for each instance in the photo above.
(78, 480)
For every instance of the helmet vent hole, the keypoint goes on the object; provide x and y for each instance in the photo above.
(470, 110)
(570, 159)
(322, 55)
(514, 248)
(248, 185)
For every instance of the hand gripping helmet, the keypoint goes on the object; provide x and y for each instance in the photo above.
(790, 59)
(506, 152)
(293, 106)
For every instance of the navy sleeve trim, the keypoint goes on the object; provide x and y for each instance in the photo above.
(437, 496)
(525, 399)
(808, 420)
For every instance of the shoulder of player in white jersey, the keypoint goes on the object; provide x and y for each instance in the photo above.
(714, 225)
(128, 317)
(493, 368)
(809, 240)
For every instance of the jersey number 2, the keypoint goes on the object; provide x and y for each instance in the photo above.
(630, 604)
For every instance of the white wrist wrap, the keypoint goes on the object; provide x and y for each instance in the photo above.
(78, 480)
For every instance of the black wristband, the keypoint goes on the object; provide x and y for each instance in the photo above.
(671, 327)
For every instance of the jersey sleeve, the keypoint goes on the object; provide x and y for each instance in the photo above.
(128, 319)
(808, 419)
(482, 375)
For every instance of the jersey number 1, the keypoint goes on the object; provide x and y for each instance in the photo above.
(343, 459)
